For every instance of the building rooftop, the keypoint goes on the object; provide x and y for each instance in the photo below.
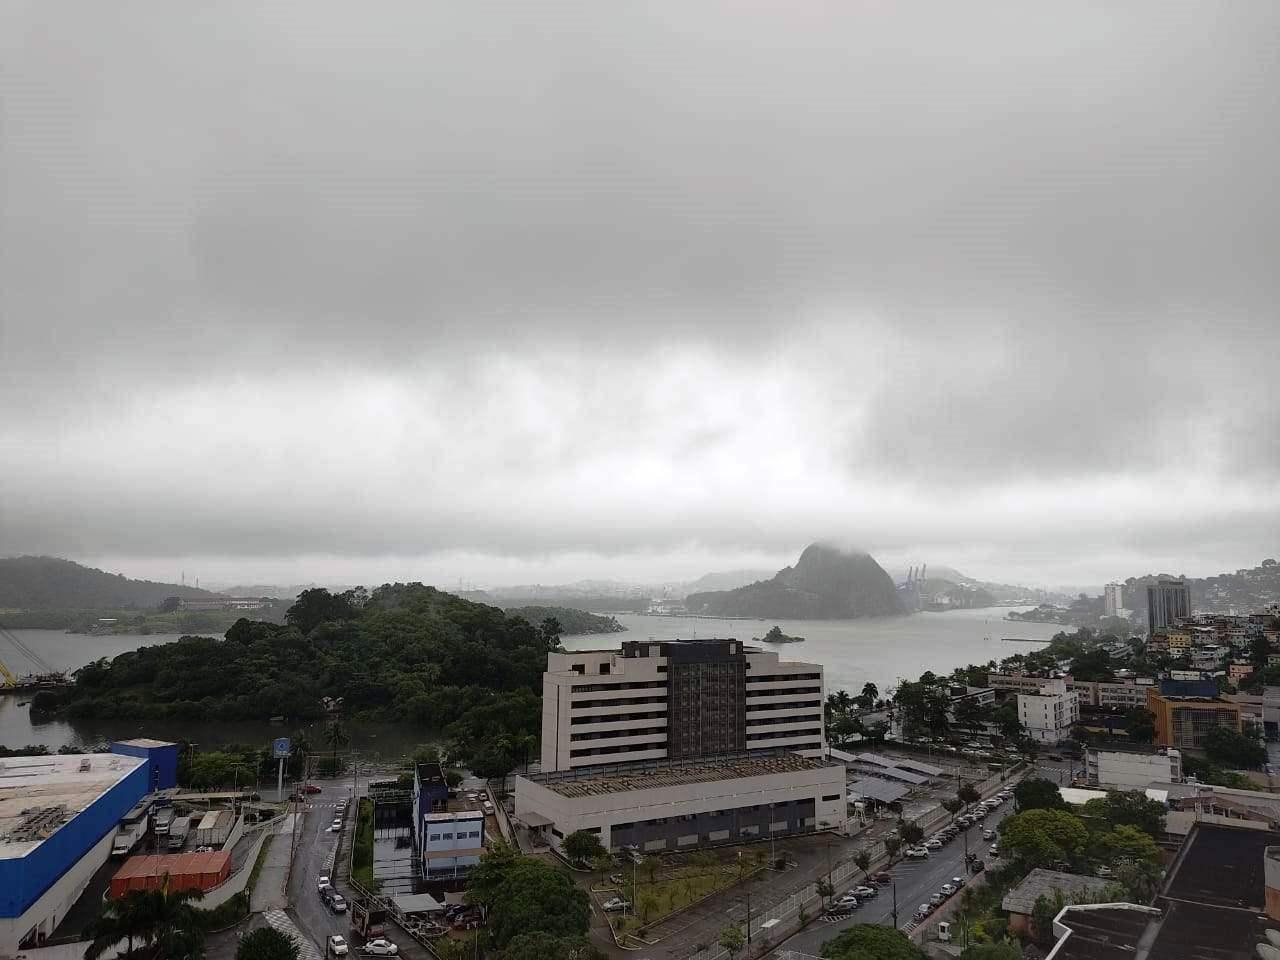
(656, 775)
(147, 742)
(174, 864)
(1040, 882)
(40, 794)
(1104, 931)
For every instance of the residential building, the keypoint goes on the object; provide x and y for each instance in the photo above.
(676, 699)
(1157, 644)
(1021, 900)
(58, 820)
(1132, 769)
(1049, 713)
(684, 804)
(1113, 599)
(1013, 683)
(1179, 641)
(1237, 670)
(1186, 710)
(1167, 602)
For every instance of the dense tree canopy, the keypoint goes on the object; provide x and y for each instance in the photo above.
(1037, 793)
(871, 941)
(1127, 807)
(525, 895)
(1043, 837)
(267, 943)
(1231, 749)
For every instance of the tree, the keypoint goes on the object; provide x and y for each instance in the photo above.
(316, 606)
(550, 631)
(544, 946)
(1129, 844)
(968, 794)
(1140, 880)
(1092, 665)
(825, 892)
(992, 951)
(953, 805)
(1129, 807)
(912, 833)
(650, 866)
(862, 860)
(891, 847)
(870, 693)
(732, 940)
(1141, 724)
(1037, 793)
(127, 918)
(871, 941)
(648, 905)
(582, 846)
(527, 895)
(267, 943)
(1259, 650)
(972, 715)
(1042, 837)
(1231, 749)
(1042, 913)
(602, 865)
(335, 735)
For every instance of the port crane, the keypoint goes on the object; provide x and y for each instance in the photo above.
(46, 675)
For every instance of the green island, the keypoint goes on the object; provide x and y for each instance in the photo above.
(403, 653)
(572, 622)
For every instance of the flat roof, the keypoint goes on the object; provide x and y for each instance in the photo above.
(174, 864)
(1040, 882)
(1104, 931)
(656, 775)
(880, 790)
(146, 742)
(39, 794)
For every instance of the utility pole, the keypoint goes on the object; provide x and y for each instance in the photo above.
(748, 922)
(895, 904)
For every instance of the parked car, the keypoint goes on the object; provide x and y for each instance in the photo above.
(916, 853)
(615, 905)
(993, 852)
(381, 947)
(311, 788)
(322, 881)
(864, 891)
(958, 881)
(617, 879)
(884, 876)
(977, 866)
(923, 911)
(947, 889)
(337, 945)
(988, 834)
(937, 899)
(335, 826)
(933, 844)
(337, 904)
(847, 902)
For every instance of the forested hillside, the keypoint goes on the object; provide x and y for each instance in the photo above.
(404, 652)
(48, 583)
(572, 622)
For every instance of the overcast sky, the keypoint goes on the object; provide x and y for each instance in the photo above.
(515, 292)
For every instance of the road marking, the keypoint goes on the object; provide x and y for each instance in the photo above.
(281, 921)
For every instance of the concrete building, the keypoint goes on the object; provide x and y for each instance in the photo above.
(1168, 601)
(676, 699)
(1113, 599)
(451, 843)
(1178, 641)
(1132, 769)
(678, 804)
(1049, 713)
(1186, 710)
(1012, 683)
(58, 818)
(1072, 887)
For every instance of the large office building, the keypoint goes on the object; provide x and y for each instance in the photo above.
(668, 745)
(656, 700)
(1168, 601)
(1186, 710)
(1049, 713)
(1113, 599)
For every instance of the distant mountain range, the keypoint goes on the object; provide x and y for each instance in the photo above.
(48, 583)
(1247, 590)
(825, 584)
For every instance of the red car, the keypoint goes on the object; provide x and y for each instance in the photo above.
(312, 788)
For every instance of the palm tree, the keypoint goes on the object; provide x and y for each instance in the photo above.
(870, 693)
(335, 736)
(178, 932)
(162, 921)
(129, 918)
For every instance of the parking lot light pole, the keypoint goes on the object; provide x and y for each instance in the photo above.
(895, 904)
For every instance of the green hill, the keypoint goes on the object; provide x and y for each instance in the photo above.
(572, 622)
(48, 583)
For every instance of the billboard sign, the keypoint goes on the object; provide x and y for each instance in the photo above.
(280, 748)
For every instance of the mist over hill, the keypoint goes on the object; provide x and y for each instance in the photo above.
(825, 583)
(49, 583)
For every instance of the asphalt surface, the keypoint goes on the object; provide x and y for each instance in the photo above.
(916, 882)
(314, 848)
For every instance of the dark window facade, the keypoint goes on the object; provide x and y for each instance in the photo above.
(706, 699)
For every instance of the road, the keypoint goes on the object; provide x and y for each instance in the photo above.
(313, 855)
(916, 881)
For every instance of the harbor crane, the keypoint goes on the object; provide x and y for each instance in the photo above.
(45, 675)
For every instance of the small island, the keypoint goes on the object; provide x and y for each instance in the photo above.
(775, 635)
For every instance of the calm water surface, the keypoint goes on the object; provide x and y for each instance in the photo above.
(882, 650)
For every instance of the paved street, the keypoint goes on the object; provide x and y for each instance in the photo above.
(314, 849)
(916, 881)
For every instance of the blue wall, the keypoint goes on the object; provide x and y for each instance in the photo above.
(163, 761)
(24, 879)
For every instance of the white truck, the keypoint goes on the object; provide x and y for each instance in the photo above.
(127, 836)
(164, 817)
(178, 830)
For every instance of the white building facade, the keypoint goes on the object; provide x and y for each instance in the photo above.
(1126, 770)
(1049, 714)
(451, 843)
(656, 700)
(1113, 599)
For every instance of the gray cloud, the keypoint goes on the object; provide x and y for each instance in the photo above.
(641, 284)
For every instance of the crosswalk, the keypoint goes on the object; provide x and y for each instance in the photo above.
(321, 805)
(281, 921)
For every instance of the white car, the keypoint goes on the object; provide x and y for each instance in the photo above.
(994, 851)
(615, 904)
(337, 946)
(934, 844)
(864, 892)
(917, 853)
(947, 889)
(847, 902)
(988, 834)
(335, 826)
(958, 882)
(322, 881)
(380, 948)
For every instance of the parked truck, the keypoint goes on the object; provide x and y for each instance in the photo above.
(178, 830)
(368, 918)
(128, 833)
(164, 817)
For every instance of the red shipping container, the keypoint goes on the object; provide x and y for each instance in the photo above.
(201, 871)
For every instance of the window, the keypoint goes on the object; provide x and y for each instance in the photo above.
(830, 797)
(604, 668)
(435, 836)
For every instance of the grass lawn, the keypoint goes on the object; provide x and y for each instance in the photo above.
(675, 887)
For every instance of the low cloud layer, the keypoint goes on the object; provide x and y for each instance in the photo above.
(494, 290)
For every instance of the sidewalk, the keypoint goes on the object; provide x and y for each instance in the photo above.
(270, 892)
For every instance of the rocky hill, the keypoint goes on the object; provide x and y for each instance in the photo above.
(825, 584)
